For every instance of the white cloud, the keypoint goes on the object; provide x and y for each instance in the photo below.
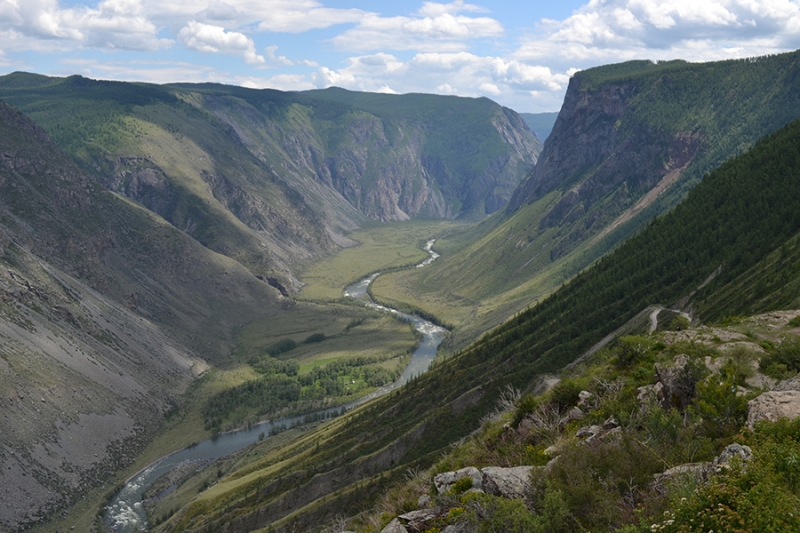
(214, 39)
(279, 60)
(113, 24)
(437, 27)
(696, 30)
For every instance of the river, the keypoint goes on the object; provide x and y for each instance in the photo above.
(126, 514)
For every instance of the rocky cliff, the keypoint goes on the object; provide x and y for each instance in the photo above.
(274, 179)
(106, 315)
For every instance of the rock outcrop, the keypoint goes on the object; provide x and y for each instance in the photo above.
(772, 406)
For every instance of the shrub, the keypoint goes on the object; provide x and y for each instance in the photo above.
(565, 394)
(524, 406)
(315, 337)
(722, 411)
(783, 362)
(282, 346)
(630, 349)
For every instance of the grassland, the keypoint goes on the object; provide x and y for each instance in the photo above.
(382, 247)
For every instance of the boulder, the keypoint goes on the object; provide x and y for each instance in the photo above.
(648, 394)
(696, 471)
(788, 384)
(732, 450)
(507, 482)
(424, 501)
(588, 433)
(611, 423)
(394, 527)
(445, 481)
(773, 406)
(574, 414)
(418, 520)
(586, 400)
(678, 382)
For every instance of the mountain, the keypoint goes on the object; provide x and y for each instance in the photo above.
(107, 314)
(540, 123)
(274, 179)
(738, 228)
(630, 141)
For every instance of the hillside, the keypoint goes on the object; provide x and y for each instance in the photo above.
(275, 180)
(107, 314)
(741, 220)
(629, 142)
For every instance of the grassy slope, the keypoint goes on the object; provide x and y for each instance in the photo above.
(504, 265)
(109, 123)
(735, 217)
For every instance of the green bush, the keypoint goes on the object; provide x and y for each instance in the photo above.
(314, 337)
(723, 412)
(783, 362)
(524, 406)
(565, 394)
(282, 346)
(630, 349)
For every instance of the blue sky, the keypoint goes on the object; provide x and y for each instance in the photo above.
(520, 54)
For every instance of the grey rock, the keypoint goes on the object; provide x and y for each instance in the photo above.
(788, 384)
(588, 433)
(586, 399)
(446, 480)
(610, 423)
(460, 527)
(417, 520)
(575, 414)
(678, 381)
(696, 471)
(773, 406)
(732, 450)
(649, 394)
(394, 527)
(507, 482)
(424, 501)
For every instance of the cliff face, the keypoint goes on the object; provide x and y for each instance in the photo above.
(106, 314)
(587, 157)
(391, 157)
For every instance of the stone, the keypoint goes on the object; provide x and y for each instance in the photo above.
(586, 399)
(788, 384)
(678, 381)
(460, 527)
(773, 406)
(418, 520)
(588, 433)
(574, 414)
(394, 527)
(507, 482)
(424, 501)
(697, 471)
(446, 480)
(732, 450)
(610, 423)
(649, 394)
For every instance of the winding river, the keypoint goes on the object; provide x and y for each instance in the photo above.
(126, 514)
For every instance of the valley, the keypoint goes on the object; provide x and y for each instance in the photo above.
(183, 262)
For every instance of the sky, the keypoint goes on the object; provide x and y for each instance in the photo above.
(520, 54)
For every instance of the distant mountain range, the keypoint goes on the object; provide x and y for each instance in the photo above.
(540, 123)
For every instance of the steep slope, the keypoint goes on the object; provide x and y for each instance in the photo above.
(629, 142)
(725, 231)
(107, 312)
(276, 179)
